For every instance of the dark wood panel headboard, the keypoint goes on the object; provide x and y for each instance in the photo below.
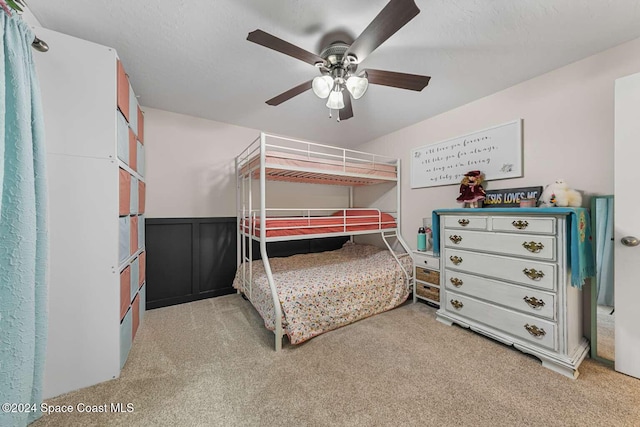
(189, 259)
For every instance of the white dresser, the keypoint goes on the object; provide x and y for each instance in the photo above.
(506, 276)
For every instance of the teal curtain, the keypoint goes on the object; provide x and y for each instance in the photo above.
(23, 226)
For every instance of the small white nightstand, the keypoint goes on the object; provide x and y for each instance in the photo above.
(426, 285)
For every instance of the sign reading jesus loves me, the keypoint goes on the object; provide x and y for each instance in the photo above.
(496, 152)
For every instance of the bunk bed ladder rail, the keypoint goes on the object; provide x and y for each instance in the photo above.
(244, 261)
(394, 234)
(240, 208)
(277, 308)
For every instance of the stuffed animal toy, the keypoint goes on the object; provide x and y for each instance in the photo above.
(559, 194)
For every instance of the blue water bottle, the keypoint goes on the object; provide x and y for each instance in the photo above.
(422, 239)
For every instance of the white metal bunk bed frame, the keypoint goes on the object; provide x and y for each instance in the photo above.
(244, 198)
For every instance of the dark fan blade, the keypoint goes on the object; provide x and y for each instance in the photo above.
(272, 42)
(400, 80)
(347, 111)
(285, 96)
(394, 16)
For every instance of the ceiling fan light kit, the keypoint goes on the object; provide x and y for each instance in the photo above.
(322, 86)
(339, 61)
(357, 86)
(336, 100)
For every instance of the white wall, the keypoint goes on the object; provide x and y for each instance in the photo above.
(190, 169)
(568, 131)
(31, 19)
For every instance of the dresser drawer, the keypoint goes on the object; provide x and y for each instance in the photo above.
(539, 247)
(528, 328)
(466, 222)
(429, 276)
(534, 225)
(527, 300)
(425, 259)
(527, 272)
(430, 292)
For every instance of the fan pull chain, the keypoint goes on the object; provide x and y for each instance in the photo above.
(337, 118)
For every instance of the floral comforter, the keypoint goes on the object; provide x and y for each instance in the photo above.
(323, 291)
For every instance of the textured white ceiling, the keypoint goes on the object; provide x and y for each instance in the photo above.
(192, 56)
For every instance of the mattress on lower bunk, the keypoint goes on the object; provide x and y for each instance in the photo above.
(323, 291)
(322, 164)
(351, 220)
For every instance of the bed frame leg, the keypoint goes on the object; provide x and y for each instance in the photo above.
(411, 283)
(278, 339)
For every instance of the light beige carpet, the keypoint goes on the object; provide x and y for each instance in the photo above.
(211, 363)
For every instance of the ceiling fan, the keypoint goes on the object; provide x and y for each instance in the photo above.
(338, 62)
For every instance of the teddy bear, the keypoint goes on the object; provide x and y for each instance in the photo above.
(559, 194)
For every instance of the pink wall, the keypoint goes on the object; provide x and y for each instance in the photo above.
(190, 170)
(567, 124)
(190, 166)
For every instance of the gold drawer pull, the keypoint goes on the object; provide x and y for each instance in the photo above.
(456, 282)
(455, 239)
(533, 302)
(456, 304)
(520, 225)
(463, 222)
(534, 247)
(455, 259)
(535, 331)
(533, 274)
